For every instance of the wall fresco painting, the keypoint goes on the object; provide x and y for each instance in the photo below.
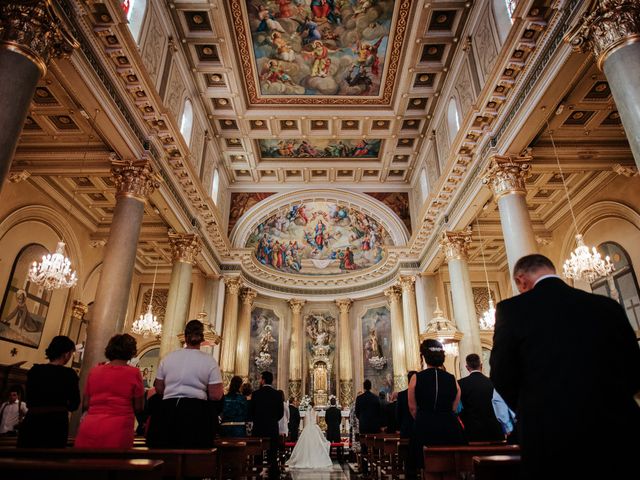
(319, 238)
(241, 202)
(340, 149)
(376, 351)
(398, 202)
(320, 47)
(265, 335)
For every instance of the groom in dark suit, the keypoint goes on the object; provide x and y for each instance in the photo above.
(566, 361)
(266, 409)
(369, 414)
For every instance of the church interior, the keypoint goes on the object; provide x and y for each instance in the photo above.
(323, 184)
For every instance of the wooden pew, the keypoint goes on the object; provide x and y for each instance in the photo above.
(177, 464)
(232, 459)
(496, 467)
(81, 469)
(449, 462)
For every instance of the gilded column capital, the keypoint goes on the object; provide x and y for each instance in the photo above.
(507, 175)
(344, 304)
(79, 310)
(407, 283)
(393, 294)
(185, 247)
(134, 179)
(248, 295)
(456, 244)
(233, 284)
(607, 26)
(296, 304)
(34, 30)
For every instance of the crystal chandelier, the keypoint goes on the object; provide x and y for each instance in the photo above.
(450, 347)
(583, 264)
(147, 324)
(54, 271)
(488, 319)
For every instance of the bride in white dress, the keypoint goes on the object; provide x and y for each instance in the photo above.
(312, 448)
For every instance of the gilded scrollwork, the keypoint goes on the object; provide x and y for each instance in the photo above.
(456, 244)
(135, 179)
(185, 247)
(507, 175)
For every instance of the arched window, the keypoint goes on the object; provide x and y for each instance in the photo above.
(453, 118)
(424, 184)
(215, 186)
(502, 12)
(622, 284)
(186, 122)
(135, 10)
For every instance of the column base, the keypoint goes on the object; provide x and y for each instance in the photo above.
(295, 389)
(399, 382)
(346, 392)
(226, 379)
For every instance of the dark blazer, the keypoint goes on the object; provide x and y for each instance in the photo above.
(294, 422)
(369, 412)
(333, 418)
(566, 362)
(480, 422)
(266, 409)
(390, 419)
(403, 415)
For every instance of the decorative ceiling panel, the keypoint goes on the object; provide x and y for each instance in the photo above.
(318, 148)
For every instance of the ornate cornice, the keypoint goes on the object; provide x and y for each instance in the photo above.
(456, 244)
(17, 177)
(134, 179)
(507, 175)
(233, 285)
(407, 283)
(607, 26)
(296, 304)
(185, 247)
(344, 305)
(393, 294)
(624, 170)
(34, 30)
(247, 296)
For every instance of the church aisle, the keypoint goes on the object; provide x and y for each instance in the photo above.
(337, 472)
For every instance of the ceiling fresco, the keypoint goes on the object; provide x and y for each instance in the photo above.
(303, 51)
(319, 238)
(398, 202)
(241, 202)
(327, 149)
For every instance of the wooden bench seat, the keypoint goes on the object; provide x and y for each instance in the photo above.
(496, 467)
(177, 464)
(80, 469)
(449, 462)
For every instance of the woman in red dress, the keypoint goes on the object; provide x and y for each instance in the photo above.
(112, 395)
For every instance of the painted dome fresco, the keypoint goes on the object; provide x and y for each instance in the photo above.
(319, 238)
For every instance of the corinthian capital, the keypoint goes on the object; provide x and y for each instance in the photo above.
(185, 247)
(407, 283)
(393, 294)
(233, 285)
(344, 304)
(456, 244)
(507, 175)
(248, 296)
(607, 25)
(134, 179)
(79, 310)
(296, 304)
(33, 29)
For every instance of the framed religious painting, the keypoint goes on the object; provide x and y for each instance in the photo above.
(24, 304)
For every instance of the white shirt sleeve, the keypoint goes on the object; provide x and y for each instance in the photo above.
(160, 373)
(215, 376)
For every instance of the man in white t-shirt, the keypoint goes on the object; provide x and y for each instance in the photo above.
(189, 382)
(11, 413)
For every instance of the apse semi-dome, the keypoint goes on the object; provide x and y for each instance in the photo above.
(319, 235)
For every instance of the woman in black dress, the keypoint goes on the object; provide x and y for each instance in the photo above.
(433, 399)
(52, 392)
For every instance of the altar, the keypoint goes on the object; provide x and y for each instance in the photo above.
(320, 414)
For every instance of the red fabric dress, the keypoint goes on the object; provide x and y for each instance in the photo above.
(109, 423)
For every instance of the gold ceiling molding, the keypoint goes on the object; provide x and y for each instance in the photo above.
(492, 98)
(128, 66)
(246, 60)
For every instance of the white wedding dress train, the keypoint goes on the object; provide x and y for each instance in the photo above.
(312, 448)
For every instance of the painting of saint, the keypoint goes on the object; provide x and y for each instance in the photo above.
(24, 305)
(369, 148)
(376, 342)
(319, 238)
(264, 338)
(323, 47)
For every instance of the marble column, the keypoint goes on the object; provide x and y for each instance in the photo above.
(185, 247)
(297, 347)
(393, 295)
(210, 300)
(134, 181)
(506, 178)
(31, 34)
(430, 292)
(610, 31)
(247, 296)
(410, 323)
(229, 328)
(455, 246)
(345, 371)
